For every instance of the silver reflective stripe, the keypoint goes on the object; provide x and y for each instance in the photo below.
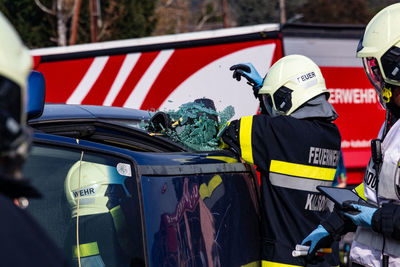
(368, 237)
(297, 183)
(92, 261)
(87, 201)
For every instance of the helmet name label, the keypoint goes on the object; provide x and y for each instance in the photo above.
(305, 77)
(323, 156)
(86, 191)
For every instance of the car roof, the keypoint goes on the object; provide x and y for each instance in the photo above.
(69, 111)
(122, 127)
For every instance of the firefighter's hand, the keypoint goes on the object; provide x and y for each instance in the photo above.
(319, 238)
(360, 215)
(248, 71)
(160, 123)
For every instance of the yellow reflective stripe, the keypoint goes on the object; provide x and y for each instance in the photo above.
(301, 170)
(225, 159)
(118, 217)
(86, 250)
(246, 124)
(252, 264)
(276, 264)
(360, 191)
(207, 190)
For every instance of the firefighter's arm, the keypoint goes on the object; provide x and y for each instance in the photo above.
(386, 220)
(319, 238)
(238, 136)
(337, 224)
(229, 137)
(330, 230)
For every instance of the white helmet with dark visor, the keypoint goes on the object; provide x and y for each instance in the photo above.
(291, 81)
(379, 49)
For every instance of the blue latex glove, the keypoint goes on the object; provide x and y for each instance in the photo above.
(364, 217)
(248, 71)
(316, 239)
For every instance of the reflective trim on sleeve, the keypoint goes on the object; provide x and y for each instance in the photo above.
(246, 124)
(301, 170)
(121, 229)
(297, 183)
(276, 264)
(86, 250)
(360, 191)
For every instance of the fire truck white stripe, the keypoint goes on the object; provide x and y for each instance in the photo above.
(142, 88)
(126, 68)
(88, 80)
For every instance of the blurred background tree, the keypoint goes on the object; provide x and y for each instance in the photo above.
(333, 11)
(177, 16)
(38, 21)
(35, 27)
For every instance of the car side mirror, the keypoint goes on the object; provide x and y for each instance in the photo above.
(36, 94)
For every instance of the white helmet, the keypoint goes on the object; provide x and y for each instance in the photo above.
(291, 82)
(99, 187)
(379, 49)
(15, 66)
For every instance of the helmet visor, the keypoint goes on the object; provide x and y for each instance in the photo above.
(374, 75)
(267, 99)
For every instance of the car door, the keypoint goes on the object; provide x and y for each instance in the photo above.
(90, 201)
(201, 214)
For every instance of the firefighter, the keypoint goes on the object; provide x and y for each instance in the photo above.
(23, 241)
(295, 147)
(376, 241)
(101, 197)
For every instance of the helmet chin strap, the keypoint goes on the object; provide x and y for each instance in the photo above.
(391, 116)
(386, 94)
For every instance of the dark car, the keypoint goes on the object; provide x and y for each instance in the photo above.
(127, 198)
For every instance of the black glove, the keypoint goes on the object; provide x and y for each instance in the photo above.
(230, 136)
(160, 122)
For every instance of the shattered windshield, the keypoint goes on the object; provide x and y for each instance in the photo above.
(196, 125)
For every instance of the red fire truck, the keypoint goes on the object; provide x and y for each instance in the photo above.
(163, 72)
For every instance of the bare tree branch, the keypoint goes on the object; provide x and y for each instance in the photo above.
(203, 21)
(45, 9)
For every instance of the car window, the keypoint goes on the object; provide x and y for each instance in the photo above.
(201, 220)
(90, 202)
